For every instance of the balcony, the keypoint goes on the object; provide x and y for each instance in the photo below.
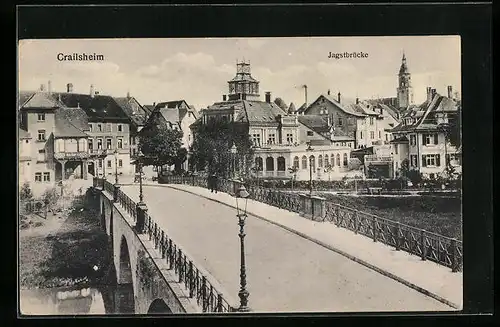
(71, 155)
(375, 158)
(98, 152)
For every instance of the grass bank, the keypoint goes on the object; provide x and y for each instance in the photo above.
(76, 253)
(438, 214)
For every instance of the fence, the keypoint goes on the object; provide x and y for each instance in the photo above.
(430, 246)
(206, 295)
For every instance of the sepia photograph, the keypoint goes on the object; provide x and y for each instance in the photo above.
(240, 175)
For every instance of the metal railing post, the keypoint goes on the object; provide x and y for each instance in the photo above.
(422, 242)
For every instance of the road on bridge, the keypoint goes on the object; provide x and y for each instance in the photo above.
(285, 272)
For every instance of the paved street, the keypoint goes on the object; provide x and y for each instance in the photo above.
(285, 272)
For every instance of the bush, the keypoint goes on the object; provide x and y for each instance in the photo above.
(25, 192)
(50, 196)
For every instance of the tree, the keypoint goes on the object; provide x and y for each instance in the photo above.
(212, 144)
(291, 108)
(280, 103)
(293, 170)
(354, 164)
(25, 192)
(180, 158)
(160, 145)
(414, 176)
(328, 169)
(405, 167)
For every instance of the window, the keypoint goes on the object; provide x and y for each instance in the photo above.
(41, 117)
(289, 138)
(271, 139)
(413, 140)
(99, 144)
(91, 145)
(256, 139)
(338, 159)
(120, 163)
(325, 161)
(320, 161)
(41, 156)
(429, 139)
(120, 143)
(46, 177)
(90, 127)
(332, 159)
(431, 160)
(82, 145)
(99, 127)
(340, 121)
(108, 144)
(310, 133)
(296, 162)
(386, 137)
(396, 148)
(41, 135)
(109, 164)
(109, 127)
(100, 163)
(379, 134)
(372, 135)
(360, 134)
(38, 177)
(345, 160)
(371, 120)
(413, 160)
(120, 128)
(259, 163)
(304, 162)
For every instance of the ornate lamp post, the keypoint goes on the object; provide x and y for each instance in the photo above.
(309, 148)
(116, 166)
(242, 215)
(140, 159)
(233, 150)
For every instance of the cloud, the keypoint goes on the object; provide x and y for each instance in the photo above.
(256, 43)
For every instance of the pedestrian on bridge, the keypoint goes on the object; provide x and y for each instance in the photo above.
(216, 182)
(210, 182)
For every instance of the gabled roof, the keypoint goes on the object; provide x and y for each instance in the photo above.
(40, 100)
(70, 122)
(319, 124)
(96, 107)
(138, 117)
(351, 109)
(24, 96)
(175, 111)
(262, 112)
(23, 134)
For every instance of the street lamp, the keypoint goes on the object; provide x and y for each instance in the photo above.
(242, 215)
(309, 148)
(116, 166)
(234, 150)
(140, 159)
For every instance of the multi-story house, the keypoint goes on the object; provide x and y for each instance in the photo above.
(429, 135)
(280, 140)
(59, 150)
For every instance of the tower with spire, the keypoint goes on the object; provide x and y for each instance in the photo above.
(243, 86)
(404, 90)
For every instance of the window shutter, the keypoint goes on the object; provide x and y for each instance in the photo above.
(438, 160)
(424, 163)
(435, 139)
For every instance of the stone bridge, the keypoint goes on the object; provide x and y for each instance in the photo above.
(157, 286)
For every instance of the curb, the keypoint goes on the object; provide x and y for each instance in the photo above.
(329, 247)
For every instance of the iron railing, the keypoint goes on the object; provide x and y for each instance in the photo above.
(206, 295)
(430, 246)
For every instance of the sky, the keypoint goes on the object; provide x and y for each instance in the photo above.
(197, 69)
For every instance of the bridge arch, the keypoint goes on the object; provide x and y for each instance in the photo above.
(125, 271)
(125, 291)
(158, 306)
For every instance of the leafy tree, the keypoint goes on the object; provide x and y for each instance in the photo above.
(160, 145)
(354, 164)
(280, 103)
(212, 144)
(180, 158)
(25, 192)
(293, 170)
(414, 176)
(405, 168)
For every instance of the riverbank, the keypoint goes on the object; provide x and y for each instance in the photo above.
(71, 250)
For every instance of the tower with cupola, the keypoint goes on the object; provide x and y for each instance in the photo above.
(404, 90)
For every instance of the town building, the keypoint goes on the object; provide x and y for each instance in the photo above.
(280, 140)
(429, 135)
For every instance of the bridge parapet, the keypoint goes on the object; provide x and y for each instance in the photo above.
(197, 283)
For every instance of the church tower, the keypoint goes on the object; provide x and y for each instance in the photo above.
(405, 91)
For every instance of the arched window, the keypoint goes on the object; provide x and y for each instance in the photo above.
(269, 164)
(281, 164)
(338, 159)
(326, 162)
(296, 162)
(312, 162)
(82, 145)
(304, 162)
(332, 159)
(320, 161)
(259, 163)
(345, 159)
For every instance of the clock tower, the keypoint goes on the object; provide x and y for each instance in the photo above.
(404, 90)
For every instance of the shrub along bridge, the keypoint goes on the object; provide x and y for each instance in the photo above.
(165, 278)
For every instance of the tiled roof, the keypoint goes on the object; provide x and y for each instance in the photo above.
(243, 77)
(97, 107)
(173, 111)
(259, 111)
(149, 108)
(319, 124)
(348, 108)
(138, 117)
(402, 139)
(41, 100)
(70, 122)
(24, 134)
(24, 96)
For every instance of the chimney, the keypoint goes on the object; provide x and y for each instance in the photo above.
(92, 92)
(450, 92)
(433, 93)
(429, 93)
(69, 87)
(224, 97)
(154, 104)
(357, 100)
(42, 87)
(268, 97)
(338, 97)
(49, 86)
(128, 95)
(328, 91)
